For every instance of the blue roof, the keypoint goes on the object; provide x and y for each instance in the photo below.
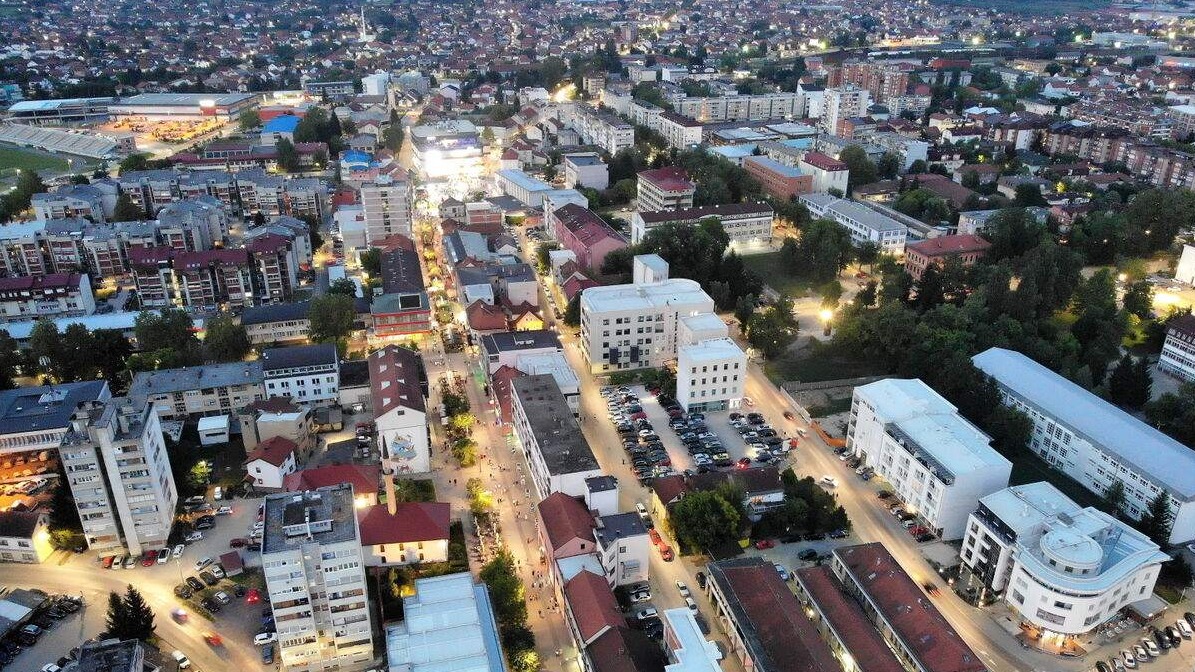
(775, 166)
(354, 156)
(734, 151)
(284, 123)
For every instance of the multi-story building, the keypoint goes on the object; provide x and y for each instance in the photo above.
(667, 188)
(397, 384)
(93, 201)
(939, 464)
(883, 81)
(34, 419)
(274, 268)
(195, 391)
(842, 623)
(711, 375)
(522, 187)
(557, 452)
(315, 575)
(827, 172)
(741, 107)
(603, 129)
(588, 236)
(842, 103)
(25, 536)
(1095, 442)
(623, 547)
(309, 374)
(56, 294)
(585, 169)
(1065, 569)
(744, 223)
(506, 347)
(205, 280)
(686, 647)
(778, 179)
(1178, 350)
(967, 248)
(277, 323)
(865, 224)
(451, 148)
(386, 204)
(908, 150)
(119, 474)
(679, 131)
(403, 308)
(920, 636)
(204, 219)
(635, 326)
(448, 623)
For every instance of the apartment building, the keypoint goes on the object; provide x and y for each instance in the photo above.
(587, 235)
(93, 201)
(403, 308)
(711, 375)
(778, 179)
(315, 575)
(685, 645)
(386, 204)
(920, 636)
(742, 107)
(679, 131)
(842, 623)
(309, 374)
(1065, 569)
(939, 464)
(196, 391)
(274, 267)
(398, 390)
(841, 103)
(25, 536)
(967, 248)
(54, 295)
(585, 169)
(33, 419)
(557, 452)
(623, 547)
(667, 188)
(505, 348)
(909, 150)
(607, 131)
(744, 223)
(197, 280)
(863, 223)
(277, 323)
(1094, 442)
(826, 172)
(882, 81)
(634, 326)
(119, 474)
(1178, 350)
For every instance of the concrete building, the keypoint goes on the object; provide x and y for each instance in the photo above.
(863, 223)
(623, 547)
(679, 131)
(559, 457)
(308, 374)
(33, 419)
(939, 464)
(585, 169)
(25, 536)
(210, 389)
(95, 202)
(113, 655)
(119, 474)
(841, 103)
(397, 392)
(506, 347)
(688, 650)
(968, 249)
(587, 235)
(277, 323)
(314, 571)
(271, 461)
(667, 188)
(277, 416)
(1178, 350)
(1094, 442)
(404, 533)
(447, 625)
(224, 107)
(711, 375)
(386, 206)
(522, 187)
(607, 131)
(634, 326)
(744, 223)
(827, 172)
(448, 149)
(53, 295)
(1065, 569)
(907, 620)
(778, 179)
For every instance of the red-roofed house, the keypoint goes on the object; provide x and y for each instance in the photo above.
(400, 413)
(577, 283)
(590, 607)
(969, 248)
(667, 188)
(414, 532)
(566, 527)
(827, 172)
(484, 318)
(500, 385)
(363, 478)
(271, 462)
(584, 233)
(841, 621)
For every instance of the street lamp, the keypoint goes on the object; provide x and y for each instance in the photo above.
(826, 315)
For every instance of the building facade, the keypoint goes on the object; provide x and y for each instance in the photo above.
(309, 374)
(667, 188)
(1178, 350)
(386, 205)
(744, 223)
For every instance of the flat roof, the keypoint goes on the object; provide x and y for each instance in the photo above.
(148, 383)
(714, 349)
(49, 407)
(694, 653)
(523, 180)
(561, 444)
(448, 626)
(865, 216)
(184, 99)
(323, 516)
(775, 166)
(654, 295)
(1154, 455)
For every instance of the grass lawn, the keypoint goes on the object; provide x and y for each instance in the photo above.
(12, 158)
(1027, 467)
(807, 366)
(775, 273)
(841, 405)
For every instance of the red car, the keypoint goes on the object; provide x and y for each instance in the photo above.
(765, 543)
(106, 563)
(917, 530)
(150, 558)
(254, 595)
(655, 536)
(788, 415)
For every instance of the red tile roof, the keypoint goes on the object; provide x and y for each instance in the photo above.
(669, 488)
(900, 601)
(625, 650)
(668, 178)
(411, 522)
(947, 245)
(35, 282)
(846, 617)
(484, 317)
(364, 479)
(823, 162)
(501, 380)
(592, 604)
(273, 450)
(394, 380)
(564, 519)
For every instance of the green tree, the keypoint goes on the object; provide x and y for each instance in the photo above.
(1156, 521)
(117, 618)
(770, 331)
(1114, 498)
(1174, 413)
(288, 156)
(861, 168)
(371, 261)
(1138, 299)
(822, 252)
(331, 317)
(78, 354)
(888, 166)
(1028, 195)
(249, 120)
(867, 253)
(743, 310)
(704, 520)
(45, 348)
(111, 354)
(134, 162)
(139, 617)
(167, 337)
(506, 590)
(226, 340)
(126, 210)
(64, 517)
(343, 286)
(572, 312)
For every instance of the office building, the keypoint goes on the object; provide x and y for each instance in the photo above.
(209, 389)
(33, 419)
(767, 627)
(939, 464)
(309, 374)
(863, 223)
(634, 326)
(54, 295)
(711, 375)
(841, 103)
(1065, 569)
(558, 454)
(1178, 350)
(1094, 442)
(907, 620)
(744, 223)
(386, 206)
(119, 475)
(315, 575)
(585, 169)
(667, 188)
(968, 249)
(447, 625)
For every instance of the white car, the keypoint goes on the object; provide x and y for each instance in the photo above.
(181, 658)
(201, 563)
(1130, 661)
(224, 511)
(647, 613)
(829, 480)
(263, 638)
(682, 588)
(50, 667)
(193, 536)
(640, 596)
(1184, 628)
(178, 551)
(1152, 648)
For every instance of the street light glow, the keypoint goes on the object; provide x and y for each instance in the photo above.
(826, 314)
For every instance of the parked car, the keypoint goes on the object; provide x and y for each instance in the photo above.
(178, 551)
(202, 562)
(183, 661)
(194, 583)
(130, 562)
(682, 588)
(807, 555)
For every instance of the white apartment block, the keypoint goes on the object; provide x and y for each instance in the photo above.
(603, 129)
(315, 574)
(585, 169)
(1094, 442)
(842, 103)
(1063, 568)
(744, 107)
(634, 326)
(679, 131)
(908, 149)
(711, 375)
(863, 223)
(624, 547)
(743, 222)
(386, 206)
(309, 374)
(559, 457)
(1178, 351)
(119, 474)
(939, 464)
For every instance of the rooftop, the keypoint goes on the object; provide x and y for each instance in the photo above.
(565, 518)
(395, 380)
(362, 478)
(323, 516)
(668, 178)
(865, 216)
(774, 166)
(848, 621)
(150, 383)
(49, 407)
(448, 626)
(19, 524)
(184, 99)
(947, 245)
(694, 653)
(411, 522)
(711, 350)
(1151, 453)
(725, 210)
(511, 341)
(650, 296)
(278, 361)
(564, 449)
(617, 526)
